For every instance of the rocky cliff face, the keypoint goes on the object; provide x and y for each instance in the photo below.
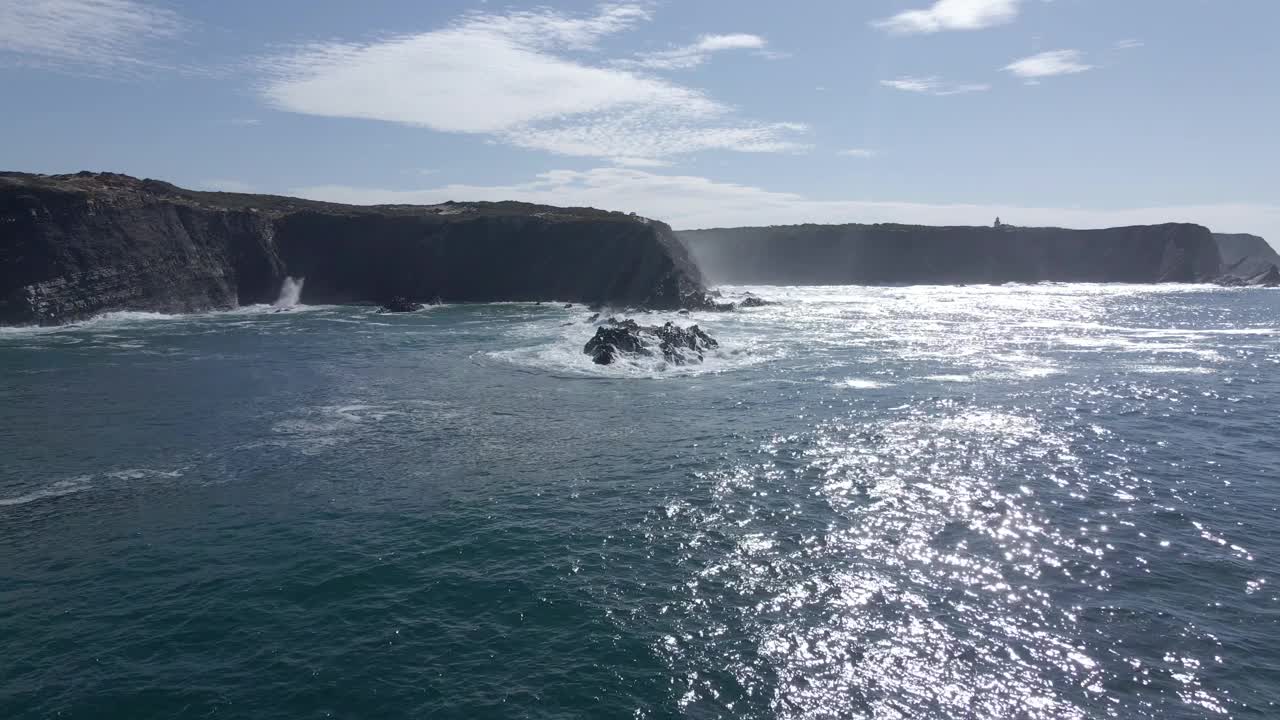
(903, 254)
(1245, 255)
(75, 245)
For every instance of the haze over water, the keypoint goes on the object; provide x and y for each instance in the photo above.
(933, 502)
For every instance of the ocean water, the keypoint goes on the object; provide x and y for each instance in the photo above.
(1056, 501)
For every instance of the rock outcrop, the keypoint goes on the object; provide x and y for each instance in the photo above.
(75, 245)
(677, 345)
(400, 305)
(1266, 278)
(1245, 256)
(907, 254)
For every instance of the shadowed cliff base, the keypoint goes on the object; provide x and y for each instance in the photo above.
(72, 246)
(891, 254)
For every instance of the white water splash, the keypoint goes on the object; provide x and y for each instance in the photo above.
(290, 292)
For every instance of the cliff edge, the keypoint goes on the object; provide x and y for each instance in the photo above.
(75, 245)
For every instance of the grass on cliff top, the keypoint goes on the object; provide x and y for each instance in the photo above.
(108, 184)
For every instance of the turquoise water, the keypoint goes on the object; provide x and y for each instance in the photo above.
(982, 502)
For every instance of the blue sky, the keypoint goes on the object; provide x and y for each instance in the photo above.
(701, 112)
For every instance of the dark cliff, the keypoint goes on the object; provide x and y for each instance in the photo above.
(75, 245)
(1245, 255)
(906, 254)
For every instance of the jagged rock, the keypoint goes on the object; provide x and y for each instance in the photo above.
(677, 345)
(1270, 278)
(400, 305)
(673, 340)
(1267, 278)
(752, 301)
(612, 340)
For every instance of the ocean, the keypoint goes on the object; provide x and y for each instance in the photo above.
(1050, 501)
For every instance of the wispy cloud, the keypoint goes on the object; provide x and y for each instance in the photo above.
(639, 162)
(521, 78)
(933, 86)
(1129, 44)
(693, 55)
(690, 201)
(1048, 64)
(91, 36)
(857, 153)
(223, 185)
(951, 15)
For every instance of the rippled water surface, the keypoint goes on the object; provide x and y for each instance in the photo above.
(995, 502)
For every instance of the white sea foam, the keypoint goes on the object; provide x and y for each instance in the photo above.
(57, 489)
(862, 384)
(1173, 369)
(290, 292)
(556, 345)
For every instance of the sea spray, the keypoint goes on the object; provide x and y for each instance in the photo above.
(290, 292)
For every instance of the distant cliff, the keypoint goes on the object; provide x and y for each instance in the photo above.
(908, 254)
(1245, 255)
(75, 245)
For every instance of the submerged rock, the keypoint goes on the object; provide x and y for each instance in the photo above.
(400, 305)
(677, 345)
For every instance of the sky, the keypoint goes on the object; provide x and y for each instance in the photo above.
(702, 113)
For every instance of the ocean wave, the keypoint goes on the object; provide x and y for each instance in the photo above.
(83, 483)
(126, 319)
(57, 489)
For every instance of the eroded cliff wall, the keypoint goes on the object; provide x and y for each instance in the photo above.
(75, 245)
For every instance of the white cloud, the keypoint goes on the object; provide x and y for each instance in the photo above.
(639, 162)
(952, 15)
(933, 86)
(95, 36)
(245, 122)
(512, 77)
(694, 55)
(857, 153)
(1129, 44)
(691, 202)
(232, 186)
(1047, 64)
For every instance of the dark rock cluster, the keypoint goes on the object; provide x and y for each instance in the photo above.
(677, 345)
(400, 304)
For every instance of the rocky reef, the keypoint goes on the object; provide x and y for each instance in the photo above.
(911, 254)
(400, 304)
(75, 245)
(676, 345)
